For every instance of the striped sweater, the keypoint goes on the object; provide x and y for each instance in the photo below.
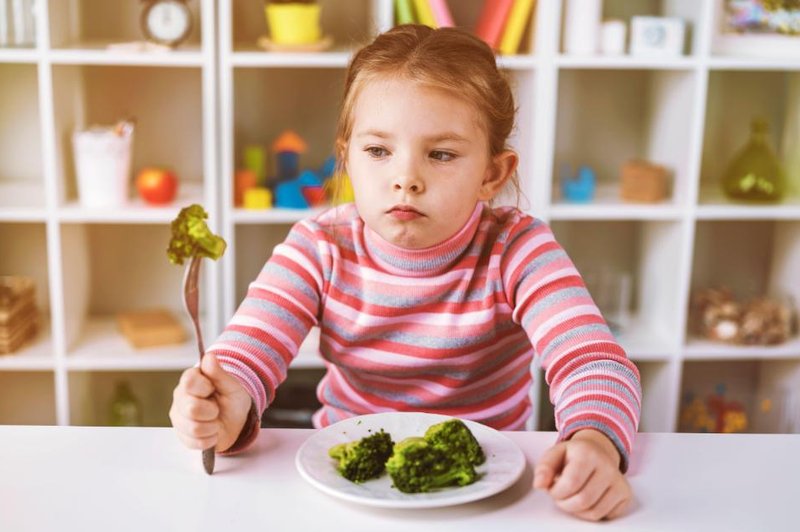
(451, 329)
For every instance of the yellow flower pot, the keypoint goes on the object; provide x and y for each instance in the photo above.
(294, 23)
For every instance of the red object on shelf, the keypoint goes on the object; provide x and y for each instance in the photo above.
(492, 21)
(157, 186)
(243, 180)
(314, 195)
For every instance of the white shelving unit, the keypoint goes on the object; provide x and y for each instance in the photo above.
(199, 107)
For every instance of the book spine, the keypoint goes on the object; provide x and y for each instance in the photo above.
(492, 21)
(425, 13)
(404, 13)
(441, 13)
(515, 27)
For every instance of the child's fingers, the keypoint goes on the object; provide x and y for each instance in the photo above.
(608, 503)
(197, 435)
(575, 474)
(548, 467)
(197, 409)
(193, 382)
(586, 499)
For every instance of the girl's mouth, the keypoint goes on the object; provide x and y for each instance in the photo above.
(405, 212)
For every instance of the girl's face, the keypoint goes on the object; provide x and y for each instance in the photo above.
(419, 162)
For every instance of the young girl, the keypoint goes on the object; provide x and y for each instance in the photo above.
(426, 298)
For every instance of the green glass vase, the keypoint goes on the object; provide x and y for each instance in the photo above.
(125, 408)
(755, 174)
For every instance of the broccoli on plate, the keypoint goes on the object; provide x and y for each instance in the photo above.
(454, 437)
(363, 459)
(419, 466)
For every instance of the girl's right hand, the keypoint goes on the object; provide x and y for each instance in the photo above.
(209, 408)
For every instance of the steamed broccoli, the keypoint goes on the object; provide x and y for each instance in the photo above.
(454, 437)
(418, 466)
(363, 459)
(191, 237)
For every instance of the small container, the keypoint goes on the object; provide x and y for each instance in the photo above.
(612, 37)
(294, 23)
(125, 411)
(103, 164)
(582, 26)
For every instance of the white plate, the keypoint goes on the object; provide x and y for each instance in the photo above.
(504, 462)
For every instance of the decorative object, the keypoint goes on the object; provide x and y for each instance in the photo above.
(755, 174)
(103, 164)
(718, 315)
(657, 36)
(255, 160)
(293, 24)
(286, 150)
(167, 22)
(612, 37)
(643, 182)
(150, 328)
(757, 28)
(714, 414)
(790, 150)
(257, 198)
(243, 181)
(125, 411)
(580, 188)
(582, 26)
(157, 185)
(18, 23)
(291, 194)
(19, 317)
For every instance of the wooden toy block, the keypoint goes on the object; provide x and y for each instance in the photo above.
(643, 182)
(150, 328)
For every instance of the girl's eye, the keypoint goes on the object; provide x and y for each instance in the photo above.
(376, 152)
(443, 156)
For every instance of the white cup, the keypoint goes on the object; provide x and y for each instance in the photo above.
(103, 165)
(612, 37)
(582, 26)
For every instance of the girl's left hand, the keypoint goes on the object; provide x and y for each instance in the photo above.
(583, 477)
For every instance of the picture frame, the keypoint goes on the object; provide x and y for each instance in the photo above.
(657, 36)
(740, 28)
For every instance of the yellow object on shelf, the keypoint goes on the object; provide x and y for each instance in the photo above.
(755, 174)
(294, 23)
(257, 198)
(150, 328)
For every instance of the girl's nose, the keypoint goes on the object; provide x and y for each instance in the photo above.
(408, 180)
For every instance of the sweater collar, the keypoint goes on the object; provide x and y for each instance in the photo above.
(418, 262)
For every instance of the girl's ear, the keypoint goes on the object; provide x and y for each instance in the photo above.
(501, 168)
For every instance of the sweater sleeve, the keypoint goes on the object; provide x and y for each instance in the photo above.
(266, 331)
(593, 384)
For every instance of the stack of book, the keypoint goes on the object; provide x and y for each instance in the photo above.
(19, 317)
(501, 22)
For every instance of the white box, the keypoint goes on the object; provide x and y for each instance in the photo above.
(657, 36)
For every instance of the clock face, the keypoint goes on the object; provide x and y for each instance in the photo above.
(168, 21)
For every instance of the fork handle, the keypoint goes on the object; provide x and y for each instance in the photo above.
(208, 460)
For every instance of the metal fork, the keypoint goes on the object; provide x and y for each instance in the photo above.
(191, 303)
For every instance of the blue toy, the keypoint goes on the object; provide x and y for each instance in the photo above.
(579, 189)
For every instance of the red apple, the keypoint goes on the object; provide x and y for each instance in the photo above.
(157, 185)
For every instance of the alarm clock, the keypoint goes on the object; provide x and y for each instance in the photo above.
(166, 22)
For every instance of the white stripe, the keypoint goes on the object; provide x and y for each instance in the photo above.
(365, 319)
(301, 260)
(251, 360)
(270, 329)
(627, 442)
(524, 253)
(371, 274)
(601, 372)
(351, 394)
(579, 310)
(581, 394)
(284, 294)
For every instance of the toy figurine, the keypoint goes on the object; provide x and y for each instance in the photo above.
(581, 188)
(287, 149)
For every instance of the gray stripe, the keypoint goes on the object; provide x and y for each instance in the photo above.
(489, 292)
(272, 309)
(588, 330)
(586, 424)
(236, 337)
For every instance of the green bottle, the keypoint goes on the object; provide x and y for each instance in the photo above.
(125, 408)
(755, 175)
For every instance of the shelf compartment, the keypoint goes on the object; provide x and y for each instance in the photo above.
(166, 103)
(28, 398)
(766, 255)
(109, 269)
(91, 394)
(350, 28)
(607, 117)
(646, 252)
(734, 99)
(295, 400)
(22, 193)
(79, 23)
(767, 390)
(688, 10)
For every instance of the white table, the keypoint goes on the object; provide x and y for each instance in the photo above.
(116, 479)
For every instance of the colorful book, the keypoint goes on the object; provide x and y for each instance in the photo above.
(492, 20)
(404, 12)
(424, 13)
(515, 26)
(441, 13)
